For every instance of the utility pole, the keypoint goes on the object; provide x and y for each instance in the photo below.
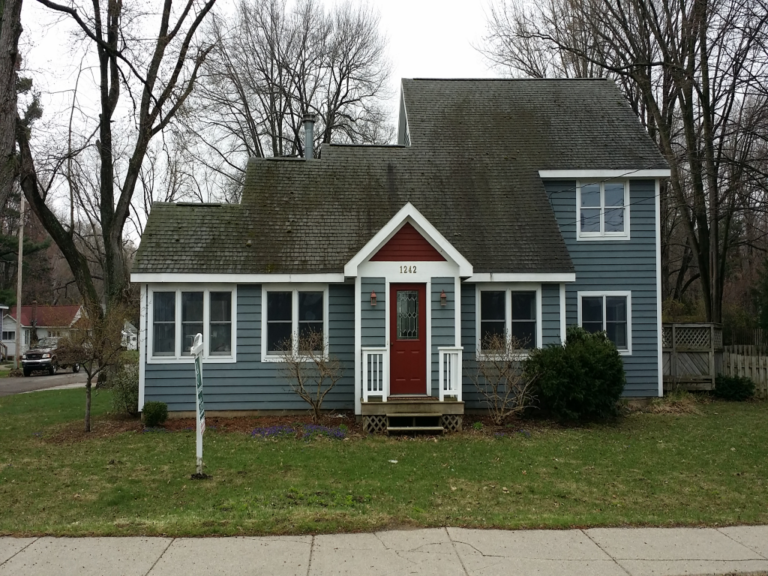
(18, 283)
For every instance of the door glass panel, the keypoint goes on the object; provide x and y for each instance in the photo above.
(407, 315)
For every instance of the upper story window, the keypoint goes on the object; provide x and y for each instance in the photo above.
(608, 312)
(602, 210)
(513, 311)
(289, 315)
(176, 316)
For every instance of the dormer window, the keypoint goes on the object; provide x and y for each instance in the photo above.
(602, 210)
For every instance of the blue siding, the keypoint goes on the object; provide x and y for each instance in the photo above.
(443, 323)
(618, 265)
(250, 384)
(373, 318)
(550, 314)
(469, 342)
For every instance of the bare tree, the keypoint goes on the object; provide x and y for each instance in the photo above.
(10, 31)
(273, 63)
(499, 376)
(158, 75)
(692, 69)
(310, 370)
(96, 345)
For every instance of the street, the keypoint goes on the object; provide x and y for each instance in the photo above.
(40, 381)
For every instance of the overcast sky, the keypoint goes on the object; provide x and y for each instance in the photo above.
(427, 39)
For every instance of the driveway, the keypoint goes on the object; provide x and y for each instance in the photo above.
(35, 382)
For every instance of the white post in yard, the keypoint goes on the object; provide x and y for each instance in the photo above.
(197, 352)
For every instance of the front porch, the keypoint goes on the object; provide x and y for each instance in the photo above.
(383, 412)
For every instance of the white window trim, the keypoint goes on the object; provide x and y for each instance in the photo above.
(508, 289)
(602, 235)
(178, 358)
(625, 293)
(294, 289)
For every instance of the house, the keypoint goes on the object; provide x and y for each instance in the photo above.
(509, 206)
(130, 336)
(38, 322)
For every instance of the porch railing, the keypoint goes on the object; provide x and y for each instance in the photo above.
(449, 373)
(375, 373)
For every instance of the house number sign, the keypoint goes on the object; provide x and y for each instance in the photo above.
(407, 269)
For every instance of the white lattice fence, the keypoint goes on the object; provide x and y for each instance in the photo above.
(690, 354)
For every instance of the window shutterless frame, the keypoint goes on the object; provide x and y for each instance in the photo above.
(596, 211)
(508, 290)
(604, 295)
(179, 354)
(297, 324)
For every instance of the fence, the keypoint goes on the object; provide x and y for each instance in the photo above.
(691, 355)
(746, 361)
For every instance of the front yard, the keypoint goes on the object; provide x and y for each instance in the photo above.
(648, 469)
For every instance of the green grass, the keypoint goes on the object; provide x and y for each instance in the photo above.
(648, 469)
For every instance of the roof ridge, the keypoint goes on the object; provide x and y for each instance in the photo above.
(511, 79)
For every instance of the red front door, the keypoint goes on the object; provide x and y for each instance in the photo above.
(408, 339)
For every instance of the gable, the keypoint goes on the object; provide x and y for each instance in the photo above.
(407, 245)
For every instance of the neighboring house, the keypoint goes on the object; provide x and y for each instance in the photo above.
(511, 206)
(130, 336)
(38, 322)
(3, 345)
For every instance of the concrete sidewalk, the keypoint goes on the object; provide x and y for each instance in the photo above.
(438, 552)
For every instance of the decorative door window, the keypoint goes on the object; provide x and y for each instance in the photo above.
(407, 315)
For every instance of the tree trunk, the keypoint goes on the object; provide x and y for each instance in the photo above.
(88, 404)
(10, 30)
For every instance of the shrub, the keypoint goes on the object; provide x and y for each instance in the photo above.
(736, 388)
(499, 377)
(155, 413)
(124, 384)
(581, 380)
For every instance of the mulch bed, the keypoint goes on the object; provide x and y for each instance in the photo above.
(247, 424)
(110, 425)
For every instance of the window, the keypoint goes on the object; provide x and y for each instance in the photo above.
(9, 335)
(164, 324)
(608, 312)
(220, 339)
(603, 210)
(177, 316)
(513, 312)
(289, 312)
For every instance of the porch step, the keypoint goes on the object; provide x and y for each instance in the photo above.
(415, 429)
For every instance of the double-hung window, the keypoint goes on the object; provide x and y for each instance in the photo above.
(9, 335)
(510, 312)
(177, 316)
(603, 210)
(291, 316)
(609, 312)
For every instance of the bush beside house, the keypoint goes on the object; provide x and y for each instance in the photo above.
(579, 381)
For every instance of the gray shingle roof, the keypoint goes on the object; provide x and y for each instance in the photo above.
(471, 169)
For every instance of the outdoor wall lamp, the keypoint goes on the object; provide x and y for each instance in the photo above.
(443, 298)
(373, 298)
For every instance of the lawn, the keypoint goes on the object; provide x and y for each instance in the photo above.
(648, 469)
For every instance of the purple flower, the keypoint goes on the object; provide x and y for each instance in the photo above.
(312, 430)
(273, 431)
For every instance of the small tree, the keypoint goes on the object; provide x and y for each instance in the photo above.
(499, 376)
(96, 345)
(311, 372)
